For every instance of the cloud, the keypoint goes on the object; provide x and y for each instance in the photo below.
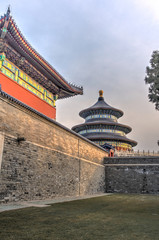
(149, 8)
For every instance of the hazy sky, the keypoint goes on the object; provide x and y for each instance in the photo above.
(99, 44)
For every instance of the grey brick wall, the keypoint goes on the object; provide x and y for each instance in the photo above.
(132, 175)
(30, 172)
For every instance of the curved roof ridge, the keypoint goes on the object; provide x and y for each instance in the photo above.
(15, 32)
(33, 51)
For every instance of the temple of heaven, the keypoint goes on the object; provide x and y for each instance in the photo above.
(101, 126)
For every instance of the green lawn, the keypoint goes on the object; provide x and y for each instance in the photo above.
(114, 216)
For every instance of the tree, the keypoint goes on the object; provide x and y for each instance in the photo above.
(152, 78)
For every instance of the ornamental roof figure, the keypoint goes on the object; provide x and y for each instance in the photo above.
(101, 126)
(19, 50)
(8, 13)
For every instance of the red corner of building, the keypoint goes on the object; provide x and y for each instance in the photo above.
(15, 90)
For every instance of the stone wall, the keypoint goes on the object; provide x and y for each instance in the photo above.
(50, 161)
(132, 175)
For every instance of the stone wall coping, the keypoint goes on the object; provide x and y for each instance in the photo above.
(131, 164)
(132, 157)
(133, 160)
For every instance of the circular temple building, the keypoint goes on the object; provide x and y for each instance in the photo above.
(101, 126)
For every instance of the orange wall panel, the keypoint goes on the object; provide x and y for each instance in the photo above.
(25, 96)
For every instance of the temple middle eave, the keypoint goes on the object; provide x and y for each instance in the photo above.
(102, 125)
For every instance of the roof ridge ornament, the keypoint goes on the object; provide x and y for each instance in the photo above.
(100, 95)
(8, 13)
(4, 29)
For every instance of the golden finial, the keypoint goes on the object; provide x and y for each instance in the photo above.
(101, 93)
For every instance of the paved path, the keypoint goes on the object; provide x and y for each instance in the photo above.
(44, 203)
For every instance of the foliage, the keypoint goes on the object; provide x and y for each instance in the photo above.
(113, 217)
(152, 78)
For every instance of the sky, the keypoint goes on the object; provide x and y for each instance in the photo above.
(98, 44)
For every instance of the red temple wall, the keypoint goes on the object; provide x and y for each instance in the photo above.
(25, 96)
